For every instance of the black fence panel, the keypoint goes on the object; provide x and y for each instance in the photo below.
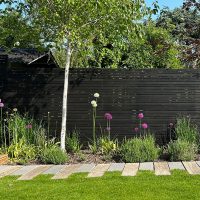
(160, 94)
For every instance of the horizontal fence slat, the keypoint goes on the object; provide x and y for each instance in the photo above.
(160, 94)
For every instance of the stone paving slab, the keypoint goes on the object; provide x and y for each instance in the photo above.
(54, 169)
(161, 168)
(2, 167)
(198, 163)
(33, 173)
(192, 167)
(176, 165)
(130, 169)
(85, 168)
(9, 170)
(99, 170)
(116, 167)
(24, 170)
(66, 171)
(146, 166)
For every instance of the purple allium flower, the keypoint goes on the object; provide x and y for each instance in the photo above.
(1, 105)
(140, 115)
(29, 126)
(144, 125)
(108, 116)
(108, 128)
(136, 129)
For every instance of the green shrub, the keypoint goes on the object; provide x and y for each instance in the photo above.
(185, 130)
(139, 149)
(73, 143)
(181, 150)
(53, 155)
(21, 152)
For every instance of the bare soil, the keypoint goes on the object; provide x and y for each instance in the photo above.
(86, 156)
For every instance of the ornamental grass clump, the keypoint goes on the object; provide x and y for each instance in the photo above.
(185, 130)
(73, 142)
(140, 149)
(182, 150)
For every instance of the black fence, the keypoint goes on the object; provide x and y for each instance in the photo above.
(160, 94)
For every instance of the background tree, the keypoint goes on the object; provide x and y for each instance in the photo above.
(75, 24)
(184, 25)
(156, 49)
(16, 31)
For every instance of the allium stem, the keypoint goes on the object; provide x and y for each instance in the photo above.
(48, 125)
(56, 129)
(8, 130)
(4, 131)
(109, 129)
(140, 126)
(94, 126)
(1, 127)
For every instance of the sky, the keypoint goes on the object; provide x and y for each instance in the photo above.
(169, 3)
(162, 3)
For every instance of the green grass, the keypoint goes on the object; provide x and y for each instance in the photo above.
(145, 185)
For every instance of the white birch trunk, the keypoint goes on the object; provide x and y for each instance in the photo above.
(64, 106)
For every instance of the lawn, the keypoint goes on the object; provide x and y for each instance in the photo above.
(145, 185)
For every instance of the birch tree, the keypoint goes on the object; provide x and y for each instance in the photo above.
(78, 22)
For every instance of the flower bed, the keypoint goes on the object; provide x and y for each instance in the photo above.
(25, 140)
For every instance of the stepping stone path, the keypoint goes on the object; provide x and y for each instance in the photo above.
(116, 167)
(146, 166)
(161, 168)
(24, 170)
(54, 169)
(66, 171)
(129, 169)
(192, 167)
(198, 163)
(99, 170)
(85, 168)
(176, 165)
(9, 170)
(33, 173)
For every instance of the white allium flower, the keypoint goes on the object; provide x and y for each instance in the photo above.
(94, 105)
(15, 109)
(93, 102)
(96, 95)
(17, 44)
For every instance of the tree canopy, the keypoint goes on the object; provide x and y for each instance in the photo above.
(16, 31)
(184, 25)
(100, 37)
(74, 25)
